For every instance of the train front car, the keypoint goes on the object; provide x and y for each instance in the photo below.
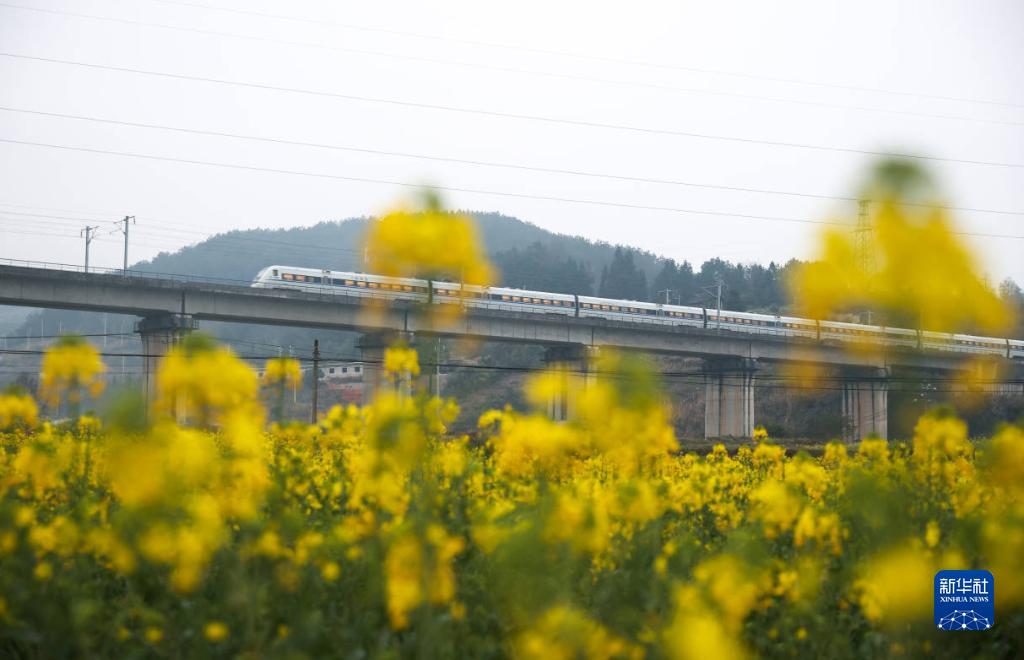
(265, 278)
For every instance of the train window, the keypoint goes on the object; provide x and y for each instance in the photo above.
(316, 280)
(506, 297)
(287, 276)
(373, 285)
(406, 287)
(275, 272)
(349, 282)
(362, 284)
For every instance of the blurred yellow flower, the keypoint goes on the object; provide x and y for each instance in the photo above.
(564, 633)
(401, 361)
(917, 272)
(282, 371)
(895, 586)
(427, 241)
(17, 408)
(202, 382)
(71, 368)
(216, 631)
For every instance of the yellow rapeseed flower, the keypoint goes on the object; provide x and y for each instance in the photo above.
(282, 371)
(17, 408)
(216, 631)
(71, 368)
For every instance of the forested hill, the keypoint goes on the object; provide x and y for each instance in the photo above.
(526, 255)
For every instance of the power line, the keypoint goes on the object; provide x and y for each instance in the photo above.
(75, 334)
(690, 377)
(479, 191)
(514, 70)
(594, 58)
(510, 115)
(462, 161)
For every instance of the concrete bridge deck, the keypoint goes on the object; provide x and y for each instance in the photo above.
(169, 305)
(149, 296)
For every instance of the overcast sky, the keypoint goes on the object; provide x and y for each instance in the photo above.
(600, 88)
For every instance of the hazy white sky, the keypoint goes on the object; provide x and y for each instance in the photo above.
(730, 69)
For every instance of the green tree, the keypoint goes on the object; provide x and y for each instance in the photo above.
(621, 279)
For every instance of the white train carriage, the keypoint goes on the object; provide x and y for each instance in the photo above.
(541, 302)
(856, 333)
(527, 301)
(900, 336)
(622, 310)
(684, 315)
(792, 326)
(762, 324)
(982, 345)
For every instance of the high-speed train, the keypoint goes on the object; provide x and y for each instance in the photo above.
(539, 302)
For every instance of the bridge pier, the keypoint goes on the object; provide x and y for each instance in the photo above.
(865, 404)
(573, 365)
(159, 333)
(372, 347)
(428, 347)
(729, 397)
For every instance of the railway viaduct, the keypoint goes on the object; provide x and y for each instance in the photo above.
(168, 308)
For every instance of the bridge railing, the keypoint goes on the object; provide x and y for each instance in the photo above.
(330, 292)
(130, 273)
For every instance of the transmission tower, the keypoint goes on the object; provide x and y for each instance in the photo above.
(864, 250)
(862, 234)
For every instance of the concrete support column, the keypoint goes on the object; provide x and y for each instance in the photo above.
(430, 353)
(995, 377)
(729, 398)
(372, 346)
(865, 404)
(159, 333)
(573, 363)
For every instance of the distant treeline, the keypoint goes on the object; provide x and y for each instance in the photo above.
(743, 287)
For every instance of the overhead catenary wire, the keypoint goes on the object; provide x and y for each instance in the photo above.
(690, 377)
(405, 184)
(583, 56)
(465, 161)
(498, 114)
(505, 69)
